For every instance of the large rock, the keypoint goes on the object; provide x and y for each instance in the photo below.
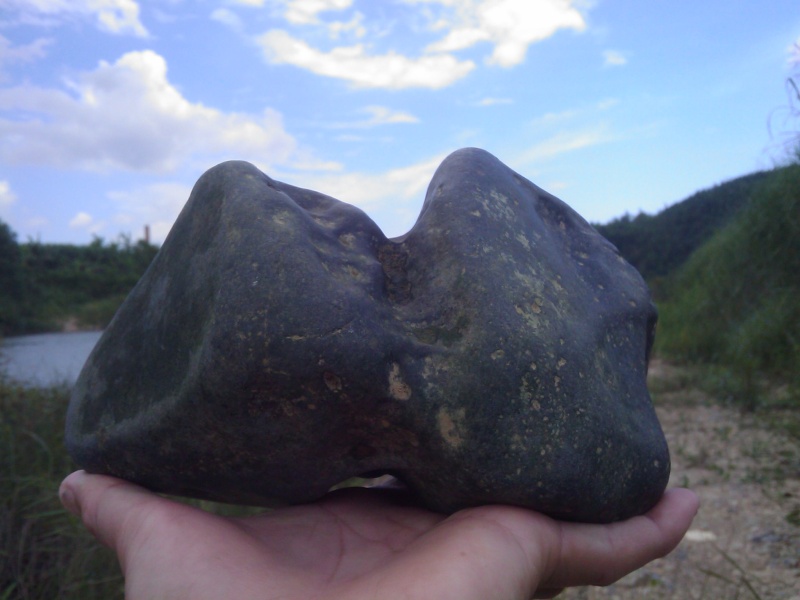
(280, 344)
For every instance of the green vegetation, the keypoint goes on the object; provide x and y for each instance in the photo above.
(44, 552)
(723, 266)
(734, 304)
(45, 287)
(11, 278)
(658, 244)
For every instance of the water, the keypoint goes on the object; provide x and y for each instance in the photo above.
(46, 359)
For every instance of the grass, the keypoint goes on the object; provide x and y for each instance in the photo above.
(45, 553)
(739, 582)
(734, 303)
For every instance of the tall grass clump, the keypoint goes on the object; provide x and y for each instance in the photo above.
(735, 302)
(45, 553)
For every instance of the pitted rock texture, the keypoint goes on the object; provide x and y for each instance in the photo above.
(280, 344)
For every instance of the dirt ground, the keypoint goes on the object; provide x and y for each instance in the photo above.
(745, 541)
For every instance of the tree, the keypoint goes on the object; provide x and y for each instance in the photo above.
(11, 281)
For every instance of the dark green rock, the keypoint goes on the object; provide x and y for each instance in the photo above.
(280, 344)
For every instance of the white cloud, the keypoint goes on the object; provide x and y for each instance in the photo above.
(114, 16)
(557, 186)
(227, 17)
(380, 115)
(562, 143)
(156, 205)
(305, 12)
(10, 54)
(158, 130)
(354, 27)
(614, 58)
(510, 25)
(551, 119)
(7, 195)
(377, 115)
(81, 220)
(350, 138)
(494, 101)
(301, 13)
(355, 65)
(607, 104)
(391, 198)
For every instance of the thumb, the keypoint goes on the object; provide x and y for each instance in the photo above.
(601, 554)
(107, 506)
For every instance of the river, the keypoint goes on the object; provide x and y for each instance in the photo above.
(46, 359)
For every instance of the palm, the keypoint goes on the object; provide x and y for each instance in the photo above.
(353, 542)
(365, 544)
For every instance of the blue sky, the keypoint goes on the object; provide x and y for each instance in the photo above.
(111, 109)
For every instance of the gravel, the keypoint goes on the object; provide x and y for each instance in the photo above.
(745, 541)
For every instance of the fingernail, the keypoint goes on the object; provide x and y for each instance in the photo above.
(67, 497)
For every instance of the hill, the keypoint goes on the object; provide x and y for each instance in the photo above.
(658, 244)
(734, 302)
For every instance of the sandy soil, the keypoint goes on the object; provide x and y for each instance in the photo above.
(745, 541)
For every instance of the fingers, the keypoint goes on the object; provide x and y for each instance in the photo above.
(602, 554)
(109, 507)
(485, 552)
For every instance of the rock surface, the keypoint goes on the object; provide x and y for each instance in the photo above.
(279, 344)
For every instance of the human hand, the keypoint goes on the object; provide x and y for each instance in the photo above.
(362, 544)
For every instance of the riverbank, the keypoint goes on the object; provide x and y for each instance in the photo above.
(46, 359)
(745, 542)
(73, 324)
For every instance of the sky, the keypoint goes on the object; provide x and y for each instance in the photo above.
(110, 110)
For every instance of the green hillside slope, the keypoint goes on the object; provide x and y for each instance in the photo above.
(657, 244)
(736, 301)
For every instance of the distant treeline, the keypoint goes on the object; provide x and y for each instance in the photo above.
(659, 244)
(50, 287)
(725, 268)
(736, 301)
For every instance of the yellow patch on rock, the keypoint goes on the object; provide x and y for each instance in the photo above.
(398, 389)
(451, 426)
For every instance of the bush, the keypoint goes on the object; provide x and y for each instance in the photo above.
(44, 286)
(735, 302)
